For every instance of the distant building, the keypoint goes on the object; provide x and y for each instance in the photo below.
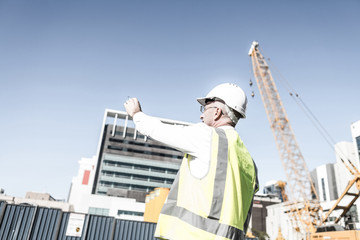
(84, 202)
(37, 199)
(128, 166)
(323, 178)
(260, 212)
(39, 196)
(272, 189)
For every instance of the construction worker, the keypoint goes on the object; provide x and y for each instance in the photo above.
(211, 197)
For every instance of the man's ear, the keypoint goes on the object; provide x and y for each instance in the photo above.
(217, 114)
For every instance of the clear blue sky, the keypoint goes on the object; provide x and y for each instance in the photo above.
(62, 63)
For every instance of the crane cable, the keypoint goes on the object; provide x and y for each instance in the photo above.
(311, 116)
(326, 135)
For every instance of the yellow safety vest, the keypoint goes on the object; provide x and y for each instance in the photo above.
(217, 206)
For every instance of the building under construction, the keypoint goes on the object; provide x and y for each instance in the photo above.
(127, 167)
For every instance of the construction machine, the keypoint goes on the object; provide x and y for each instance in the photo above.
(303, 205)
(281, 185)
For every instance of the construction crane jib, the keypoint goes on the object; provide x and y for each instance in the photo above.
(299, 182)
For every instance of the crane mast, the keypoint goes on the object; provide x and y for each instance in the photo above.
(302, 190)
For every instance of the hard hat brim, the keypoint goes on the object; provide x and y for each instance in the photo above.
(202, 101)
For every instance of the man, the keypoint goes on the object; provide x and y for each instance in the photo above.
(211, 197)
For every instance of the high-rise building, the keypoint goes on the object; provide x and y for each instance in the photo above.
(324, 181)
(128, 166)
(130, 163)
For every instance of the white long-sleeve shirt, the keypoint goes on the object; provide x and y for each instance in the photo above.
(194, 140)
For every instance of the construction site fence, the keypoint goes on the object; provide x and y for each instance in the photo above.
(28, 222)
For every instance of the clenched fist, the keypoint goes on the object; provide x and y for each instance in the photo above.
(132, 106)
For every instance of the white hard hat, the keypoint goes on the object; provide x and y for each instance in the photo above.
(233, 96)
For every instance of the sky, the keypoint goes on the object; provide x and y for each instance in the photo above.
(62, 63)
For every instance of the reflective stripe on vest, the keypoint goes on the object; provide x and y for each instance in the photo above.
(201, 219)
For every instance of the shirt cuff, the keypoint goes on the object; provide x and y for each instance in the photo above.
(137, 116)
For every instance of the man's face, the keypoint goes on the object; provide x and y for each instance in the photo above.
(208, 115)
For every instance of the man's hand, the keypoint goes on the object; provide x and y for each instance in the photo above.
(132, 106)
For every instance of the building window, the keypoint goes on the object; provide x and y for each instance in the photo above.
(358, 144)
(171, 171)
(131, 150)
(323, 188)
(157, 180)
(139, 167)
(157, 169)
(144, 178)
(131, 213)
(99, 211)
(140, 178)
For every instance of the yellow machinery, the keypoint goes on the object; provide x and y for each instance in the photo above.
(303, 205)
(351, 197)
(343, 235)
(154, 202)
(282, 185)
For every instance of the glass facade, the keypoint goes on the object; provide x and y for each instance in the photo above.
(129, 161)
(130, 173)
(129, 213)
(273, 189)
(99, 211)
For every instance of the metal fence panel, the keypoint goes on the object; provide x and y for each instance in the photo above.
(17, 222)
(100, 228)
(133, 230)
(24, 222)
(46, 224)
(2, 210)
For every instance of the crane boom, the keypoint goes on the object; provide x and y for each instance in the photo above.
(298, 177)
(297, 173)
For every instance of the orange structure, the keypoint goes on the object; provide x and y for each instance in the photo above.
(343, 235)
(154, 203)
